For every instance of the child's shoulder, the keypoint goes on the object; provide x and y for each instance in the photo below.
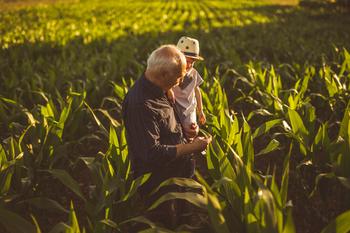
(193, 73)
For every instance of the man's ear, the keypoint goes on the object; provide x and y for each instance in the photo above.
(166, 75)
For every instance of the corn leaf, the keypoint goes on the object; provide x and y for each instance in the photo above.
(67, 180)
(339, 225)
(37, 227)
(272, 146)
(193, 198)
(15, 223)
(46, 203)
(216, 216)
(73, 221)
(60, 227)
(135, 185)
(182, 182)
(264, 128)
(289, 226)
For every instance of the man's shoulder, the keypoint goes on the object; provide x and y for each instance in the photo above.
(134, 94)
(140, 104)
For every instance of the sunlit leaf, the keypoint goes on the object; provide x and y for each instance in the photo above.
(339, 225)
(193, 198)
(272, 146)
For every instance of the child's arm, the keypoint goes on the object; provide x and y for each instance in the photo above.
(171, 95)
(201, 115)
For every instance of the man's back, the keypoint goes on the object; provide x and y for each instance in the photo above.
(153, 131)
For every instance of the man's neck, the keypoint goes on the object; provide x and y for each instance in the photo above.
(156, 81)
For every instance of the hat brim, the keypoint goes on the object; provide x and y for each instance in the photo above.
(198, 58)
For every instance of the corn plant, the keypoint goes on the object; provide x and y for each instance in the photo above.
(248, 203)
(64, 69)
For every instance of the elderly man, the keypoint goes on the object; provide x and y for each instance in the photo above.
(155, 137)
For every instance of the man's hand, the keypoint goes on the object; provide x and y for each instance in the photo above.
(171, 95)
(198, 144)
(202, 118)
(201, 143)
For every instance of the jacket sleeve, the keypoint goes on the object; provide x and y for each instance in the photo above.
(146, 138)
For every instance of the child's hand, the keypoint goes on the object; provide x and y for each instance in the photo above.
(194, 126)
(202, 118)
(192, 131)
(171, 95)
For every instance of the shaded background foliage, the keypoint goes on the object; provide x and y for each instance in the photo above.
(65, 67)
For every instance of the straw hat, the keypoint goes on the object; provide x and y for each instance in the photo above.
(189, 47)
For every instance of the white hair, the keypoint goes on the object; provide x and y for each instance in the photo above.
(166, 59)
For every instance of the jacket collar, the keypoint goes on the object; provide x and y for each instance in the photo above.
(151, 87)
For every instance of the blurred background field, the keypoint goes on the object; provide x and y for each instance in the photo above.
(276, 92)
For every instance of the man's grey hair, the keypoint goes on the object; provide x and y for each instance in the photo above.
(167, 59)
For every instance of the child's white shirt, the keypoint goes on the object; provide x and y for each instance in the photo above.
(185, 93)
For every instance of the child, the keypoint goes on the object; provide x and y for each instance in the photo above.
(187, 95)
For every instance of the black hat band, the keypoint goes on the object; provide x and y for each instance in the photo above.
(190, 54)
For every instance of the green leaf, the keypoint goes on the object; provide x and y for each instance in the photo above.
(60, 227)
(194, 198)
(299, 131)
(206, 102)
(247, 143)
(226, 182)
(118, 90)
(94, 166)
(73, 221)
(46, 203)
(289, 226)
(217, 218)
(6, 179)
(153, 227)
(346, 63)
(140, 219)
(344, 126)
(297, 123)
(15, 223)
(318, 178)
(183, 182)
(272, 146)
(67, 180)
(98, 122)
(113, 139)
(261, 112)
(63, 117)
(285, 177)
(339, 225)
(344, 181)
(135, 185)
(38, 230)
(272, 205)
(109, 223)
(213, 162)
(321, 138)
(264, 128)
(157, 230)
(113, 121)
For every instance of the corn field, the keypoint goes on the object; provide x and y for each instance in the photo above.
(276, 93)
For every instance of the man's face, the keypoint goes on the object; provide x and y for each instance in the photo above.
(180, 77)
(189, 63)
(177, 79)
